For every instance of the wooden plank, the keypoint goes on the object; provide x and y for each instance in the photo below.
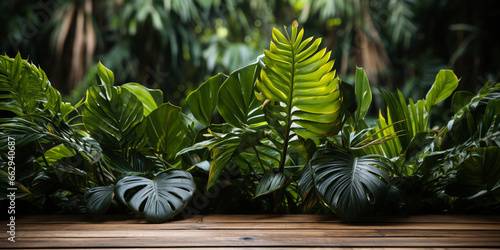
(259, 248)
(487, 219)
(439, 233)
(179, 225)
(325, 226)
(198, 233)
(86, 219)
(436, 218)
(255, 242)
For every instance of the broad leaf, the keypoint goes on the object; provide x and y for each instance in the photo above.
(363, 94)
(105, 75)
(351, 186)
(166, 131)
(112, 110)
(486, 164)
(299, 89)
(446, 82)
(150, 98)
(306, 182)
(270, 182)
(99, 199)
(300, 78)
(203, 100)
(158, 199)
(236, 100)
(57, 153)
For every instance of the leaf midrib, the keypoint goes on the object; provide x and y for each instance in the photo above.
(289, 110)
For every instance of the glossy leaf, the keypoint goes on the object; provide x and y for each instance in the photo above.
(302, 80)
(270, 182)
(446, 82)
(150, 98)
(165, 130)
(105, 75)
(299, 90)
(363, 94)
(236, 100)
(351, 186)
(158, 199)
(203, 101)
(112, 110)
(98, 200)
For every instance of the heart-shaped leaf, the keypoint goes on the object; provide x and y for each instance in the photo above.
(158, 199)
(350, 185)
(270, 182)
(98, 200)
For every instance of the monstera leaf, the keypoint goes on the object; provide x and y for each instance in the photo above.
(350, 185)
(299, 89)
(98, 200)
(158, 199)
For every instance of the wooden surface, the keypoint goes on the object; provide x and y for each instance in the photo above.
(255, 231)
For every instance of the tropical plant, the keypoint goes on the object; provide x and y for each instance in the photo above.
(282, 134)
(272, 108)
(128, 135)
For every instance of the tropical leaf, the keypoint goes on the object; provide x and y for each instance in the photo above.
(165, 130)
(112, 110)
(446, 82)
(236, 101)
(27, 88)
(363, 94)
(5, 178)
(105, 75)
(480, 171)
(351, 186)
(299, 89)
(158, 199)
(203, 101)
(270, 182)
(224, 147)
(150, 98)
(98, 200)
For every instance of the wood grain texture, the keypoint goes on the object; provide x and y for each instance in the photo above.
(255, 232)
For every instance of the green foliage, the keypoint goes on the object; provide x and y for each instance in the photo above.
(363, 94)
(298, 80)
(125, 131)
(351, 186)
(282, 134)
(159, 199)
(98, 200)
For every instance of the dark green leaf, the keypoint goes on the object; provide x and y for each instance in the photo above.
(236, 100)
(112, 110)
(270, 182)
(98, 200)
(351, 186)
(158, 199)
(166, 131)
(202, 101)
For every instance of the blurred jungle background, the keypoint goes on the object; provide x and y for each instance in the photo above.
(175, 45)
